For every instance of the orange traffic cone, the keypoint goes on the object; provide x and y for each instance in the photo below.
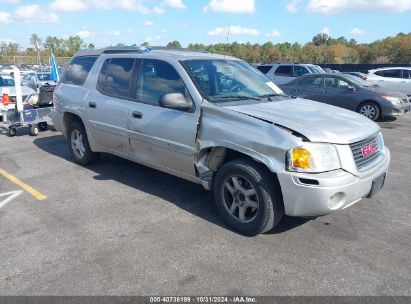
(6, 99)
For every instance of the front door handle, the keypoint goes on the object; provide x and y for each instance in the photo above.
(92, 105)
(137, 114)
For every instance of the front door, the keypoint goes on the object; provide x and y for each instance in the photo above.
(159, 135)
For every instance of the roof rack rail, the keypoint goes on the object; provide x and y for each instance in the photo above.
(159, 48)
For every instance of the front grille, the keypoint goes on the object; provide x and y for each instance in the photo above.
(363, 162)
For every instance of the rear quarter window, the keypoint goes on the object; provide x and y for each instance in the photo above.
(77, 71)
(264, 68)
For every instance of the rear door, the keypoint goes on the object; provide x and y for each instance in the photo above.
(310, 87)
(107, 107)
(160, 135)
(405, 84)
(283, 74)
(391, 79)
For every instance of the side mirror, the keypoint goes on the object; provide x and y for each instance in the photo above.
(351, 88)
(175, 101)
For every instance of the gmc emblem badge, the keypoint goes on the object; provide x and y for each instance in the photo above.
(368, 150)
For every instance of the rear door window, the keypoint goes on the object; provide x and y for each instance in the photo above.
(312, 82)
(284, 70)
(77, 71)
(406, 74)
(115, 77)
(396, 73)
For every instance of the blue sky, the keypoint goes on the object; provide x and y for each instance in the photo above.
(105, 22)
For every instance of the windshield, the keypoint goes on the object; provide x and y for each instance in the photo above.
(358, 81)
(44, 77)
(6, 81)
(223, 80)
(315, 69)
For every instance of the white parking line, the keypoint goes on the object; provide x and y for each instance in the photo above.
(10, 195)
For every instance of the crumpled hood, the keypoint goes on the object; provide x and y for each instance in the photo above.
(317, 121)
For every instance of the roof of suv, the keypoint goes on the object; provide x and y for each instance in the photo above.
(286, 63)
(177, 53)
(390, 68)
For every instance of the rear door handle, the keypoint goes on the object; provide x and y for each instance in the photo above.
(137, 114)
(92, 105)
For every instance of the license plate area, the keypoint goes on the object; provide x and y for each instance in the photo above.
(377, 184)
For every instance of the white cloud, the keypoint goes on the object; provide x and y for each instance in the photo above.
(160, 9)
(231, 6)
(356, 31)
(273, 33)
(86, 34)
(325, 30)
(68, 5)
(234, 30)
(174, 4)
(148, 23)
(35, 14)
(292, 6)
(5, 17)
(337, 6)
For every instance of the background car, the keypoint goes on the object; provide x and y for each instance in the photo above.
(350, 92)
(281, 73)
(7, 82)
(35, 80)
(398, 79)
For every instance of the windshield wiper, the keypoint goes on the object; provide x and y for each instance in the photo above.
(269, 95)
(241, 97)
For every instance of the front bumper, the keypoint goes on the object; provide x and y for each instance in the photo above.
(398, 110)
(335, 190)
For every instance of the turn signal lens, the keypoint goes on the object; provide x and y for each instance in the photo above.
(301, 158)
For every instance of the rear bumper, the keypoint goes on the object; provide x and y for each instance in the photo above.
(335, 190)
(58, 120)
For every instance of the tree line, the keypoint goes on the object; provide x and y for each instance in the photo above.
(322, 49)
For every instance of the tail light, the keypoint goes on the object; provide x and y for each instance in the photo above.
(364, 78)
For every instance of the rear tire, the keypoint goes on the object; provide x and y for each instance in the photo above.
(370, 110)
(79, 145)
(248, 197)
(42, 126)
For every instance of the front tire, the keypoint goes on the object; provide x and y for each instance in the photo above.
(370, 110)
(34, 130)
(79, 146)
(248, 197)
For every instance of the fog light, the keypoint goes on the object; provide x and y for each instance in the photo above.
(336, 201)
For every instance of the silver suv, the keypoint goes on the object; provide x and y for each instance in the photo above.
(217, 121)
(282, 73)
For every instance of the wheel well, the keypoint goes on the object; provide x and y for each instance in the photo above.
(69, 118)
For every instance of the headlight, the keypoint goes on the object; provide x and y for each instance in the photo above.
(394, 100)
(313, 158)
(380, 142)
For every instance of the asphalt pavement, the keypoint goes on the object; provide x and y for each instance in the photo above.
(119, 228)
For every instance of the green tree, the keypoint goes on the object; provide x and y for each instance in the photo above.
(174, 44)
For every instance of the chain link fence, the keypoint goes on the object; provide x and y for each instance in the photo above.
(31, 60)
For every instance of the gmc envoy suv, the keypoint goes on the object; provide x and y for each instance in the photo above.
(217, 121)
